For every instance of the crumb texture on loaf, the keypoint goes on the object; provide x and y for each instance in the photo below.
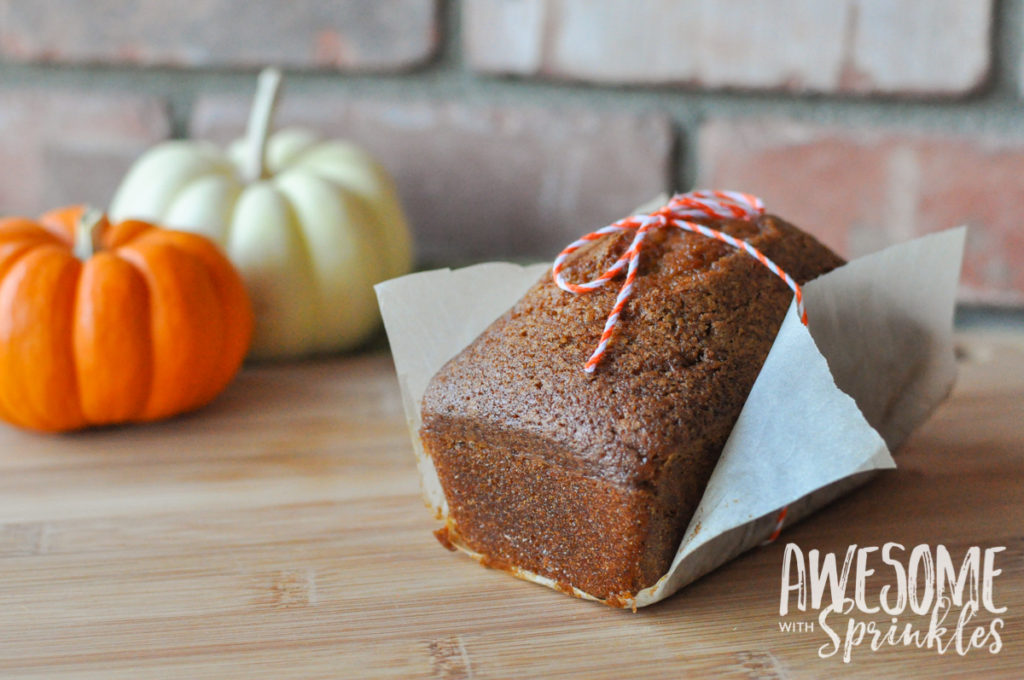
(591, 479)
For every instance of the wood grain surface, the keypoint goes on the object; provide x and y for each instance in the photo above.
(280, 534)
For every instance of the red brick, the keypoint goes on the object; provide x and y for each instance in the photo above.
(864, 46)
(375, 35)
(485, 182)
(862, 189)
(71, 147)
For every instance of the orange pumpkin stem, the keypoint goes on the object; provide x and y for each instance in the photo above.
(261, 119)
(87, 236)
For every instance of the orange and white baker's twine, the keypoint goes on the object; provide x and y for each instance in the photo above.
(700, 204)
(714, 204)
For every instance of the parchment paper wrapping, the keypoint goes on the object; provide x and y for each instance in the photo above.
(825, 411)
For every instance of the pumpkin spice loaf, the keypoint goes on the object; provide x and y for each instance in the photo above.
(590, 480)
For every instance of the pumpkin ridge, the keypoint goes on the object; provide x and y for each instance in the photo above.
(120, 234)
(41, 366)
(302, 191)
(295, 224)
(210, 386)
(130, 253)
(6, 265)
(66, 344)
(76, 383)
(380, 194)
(24, 229)
(135, 414)
(376, 235)
(296, 162)
(183, 194)
(228, 293)
(232, 218)
(169, 392)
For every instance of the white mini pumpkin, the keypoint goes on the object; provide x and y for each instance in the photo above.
(311, 225)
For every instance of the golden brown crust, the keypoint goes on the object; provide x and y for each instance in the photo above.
(590, 480)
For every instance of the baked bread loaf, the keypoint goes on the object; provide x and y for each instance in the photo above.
(590, 480)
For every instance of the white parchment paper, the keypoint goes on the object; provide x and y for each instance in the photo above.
(828, 406)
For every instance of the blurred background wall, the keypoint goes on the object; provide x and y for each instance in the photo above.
(512, 126)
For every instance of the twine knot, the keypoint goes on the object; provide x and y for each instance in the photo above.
(678, 212)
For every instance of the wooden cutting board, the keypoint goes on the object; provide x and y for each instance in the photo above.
(280, 534)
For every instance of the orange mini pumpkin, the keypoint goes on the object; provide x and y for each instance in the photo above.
(106, 323)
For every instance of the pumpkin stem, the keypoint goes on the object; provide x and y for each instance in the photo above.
(87, 236)
(261, 118)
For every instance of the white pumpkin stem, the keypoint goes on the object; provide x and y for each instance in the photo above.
(261, 118)
(87, 236)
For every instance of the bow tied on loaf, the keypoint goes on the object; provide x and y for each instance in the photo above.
(679, 213)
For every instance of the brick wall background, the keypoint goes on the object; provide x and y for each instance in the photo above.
(512, 126)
